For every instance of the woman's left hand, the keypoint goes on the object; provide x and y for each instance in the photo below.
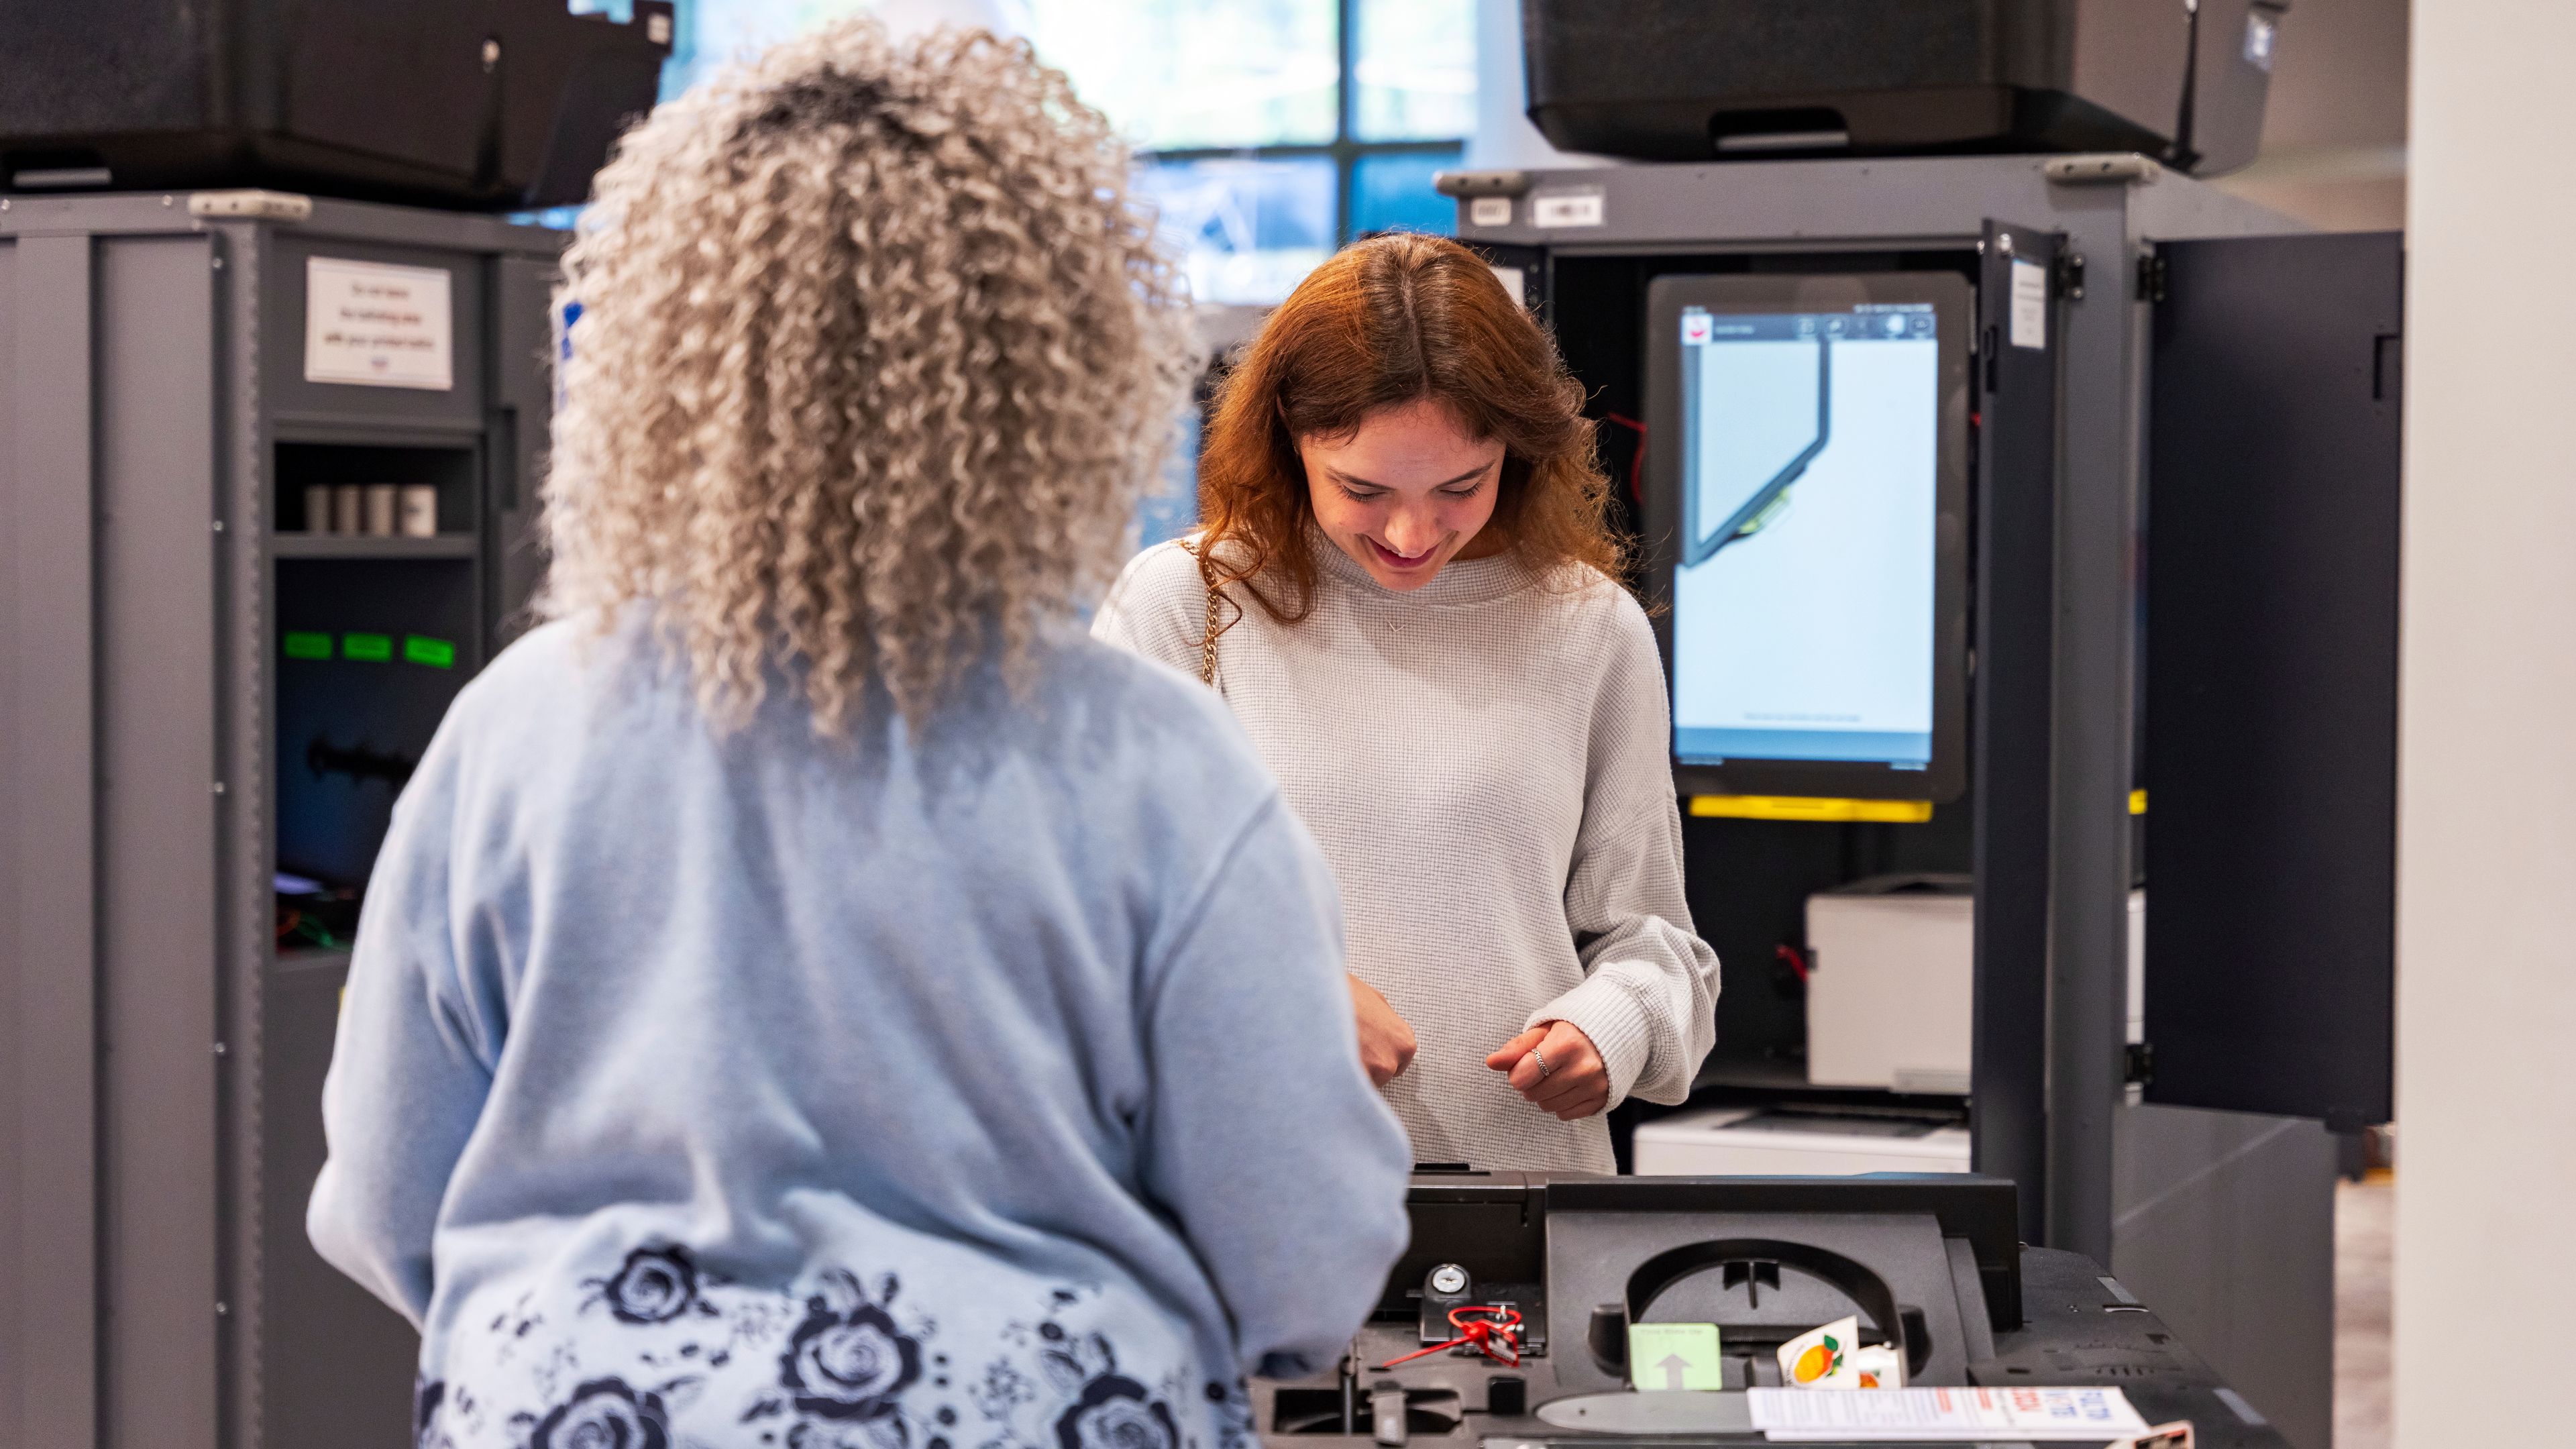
(1574, 1083)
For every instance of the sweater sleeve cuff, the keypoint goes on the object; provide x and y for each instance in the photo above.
(1606, 1011)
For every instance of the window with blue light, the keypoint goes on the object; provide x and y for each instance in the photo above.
(1269, 131)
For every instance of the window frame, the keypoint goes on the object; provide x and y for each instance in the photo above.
(1345, 150)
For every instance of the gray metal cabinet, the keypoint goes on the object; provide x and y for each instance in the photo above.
(165, 751)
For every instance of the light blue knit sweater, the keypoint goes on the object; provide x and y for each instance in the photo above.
(995, 1090)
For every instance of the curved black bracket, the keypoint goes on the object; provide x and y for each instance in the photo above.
(1902, 1324)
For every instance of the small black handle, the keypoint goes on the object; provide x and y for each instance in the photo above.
(1607, 1336)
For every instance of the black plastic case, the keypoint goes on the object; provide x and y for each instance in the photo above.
(461, 103)
(1683, 80)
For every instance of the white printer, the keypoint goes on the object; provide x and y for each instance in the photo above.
(1890, 1005)
(1890, 984)
(1788, 1142)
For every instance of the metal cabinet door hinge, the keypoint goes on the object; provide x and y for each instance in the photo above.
(2141, 1064)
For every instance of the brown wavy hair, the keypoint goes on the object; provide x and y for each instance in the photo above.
(874, 352)
(1389, 321)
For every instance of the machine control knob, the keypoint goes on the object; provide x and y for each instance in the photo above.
(1448, 1280)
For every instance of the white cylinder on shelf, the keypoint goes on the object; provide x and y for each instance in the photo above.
(317, 508)
(348, 508)
(420, 510)
(382, 499)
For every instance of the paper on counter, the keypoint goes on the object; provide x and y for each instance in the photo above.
(1901, 1415)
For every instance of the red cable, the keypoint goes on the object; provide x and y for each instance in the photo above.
(1497, 1324)
(1796, 962)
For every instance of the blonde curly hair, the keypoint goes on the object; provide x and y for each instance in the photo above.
(873, 353)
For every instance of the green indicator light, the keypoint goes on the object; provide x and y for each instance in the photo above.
(305, 644)
(374, 648)
(436, 653)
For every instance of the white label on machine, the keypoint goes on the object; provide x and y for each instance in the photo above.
(1514, 282)
(1567, 208)
(1915, 1415)
(377, 325)
(2029, 305)
(1490, 211)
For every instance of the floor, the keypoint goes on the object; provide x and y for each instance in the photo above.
(2362, 1222)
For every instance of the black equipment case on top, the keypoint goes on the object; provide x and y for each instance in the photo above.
(1684, 80)
(458, 103)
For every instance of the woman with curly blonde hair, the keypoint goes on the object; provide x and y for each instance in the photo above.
(810, 993)
(1406, 589)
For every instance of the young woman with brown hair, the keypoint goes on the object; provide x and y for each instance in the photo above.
(1405, 587)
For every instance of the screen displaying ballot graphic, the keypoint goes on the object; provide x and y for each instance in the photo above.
(1804, 617)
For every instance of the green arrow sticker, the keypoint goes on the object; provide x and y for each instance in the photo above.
(436, 653)
(374, 648)
(307, 644)
(1674, 1356)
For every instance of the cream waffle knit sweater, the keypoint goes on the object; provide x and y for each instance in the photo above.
(1485, 763)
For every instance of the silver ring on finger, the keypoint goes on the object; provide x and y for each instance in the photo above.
(1544, 1070)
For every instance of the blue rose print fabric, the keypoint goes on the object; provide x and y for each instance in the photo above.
(663, 1354)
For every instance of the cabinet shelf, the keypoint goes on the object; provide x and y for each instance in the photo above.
(373, 546)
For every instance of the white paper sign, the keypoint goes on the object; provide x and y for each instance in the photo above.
(1915, 1415)
(1515, 282)
(377, 325)
(1567, 208)
(2029, 305)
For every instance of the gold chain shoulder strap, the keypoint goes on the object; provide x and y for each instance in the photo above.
(1207, 631)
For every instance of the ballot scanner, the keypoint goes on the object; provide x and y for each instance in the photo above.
(1928, 1266)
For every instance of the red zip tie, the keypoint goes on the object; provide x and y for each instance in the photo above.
(1498, 1324)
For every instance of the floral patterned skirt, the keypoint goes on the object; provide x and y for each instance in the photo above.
(662, 1354)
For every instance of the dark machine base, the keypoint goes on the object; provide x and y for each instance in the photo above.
(1928, 1263)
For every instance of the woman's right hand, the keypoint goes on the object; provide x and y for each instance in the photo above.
(1386, 1042)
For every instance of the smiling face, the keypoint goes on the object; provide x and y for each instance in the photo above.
(1406, 492)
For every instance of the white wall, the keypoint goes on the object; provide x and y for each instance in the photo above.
(2486, 1020)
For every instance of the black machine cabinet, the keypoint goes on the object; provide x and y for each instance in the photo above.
(2270, 728)
(475, 103)
(2230, 378)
